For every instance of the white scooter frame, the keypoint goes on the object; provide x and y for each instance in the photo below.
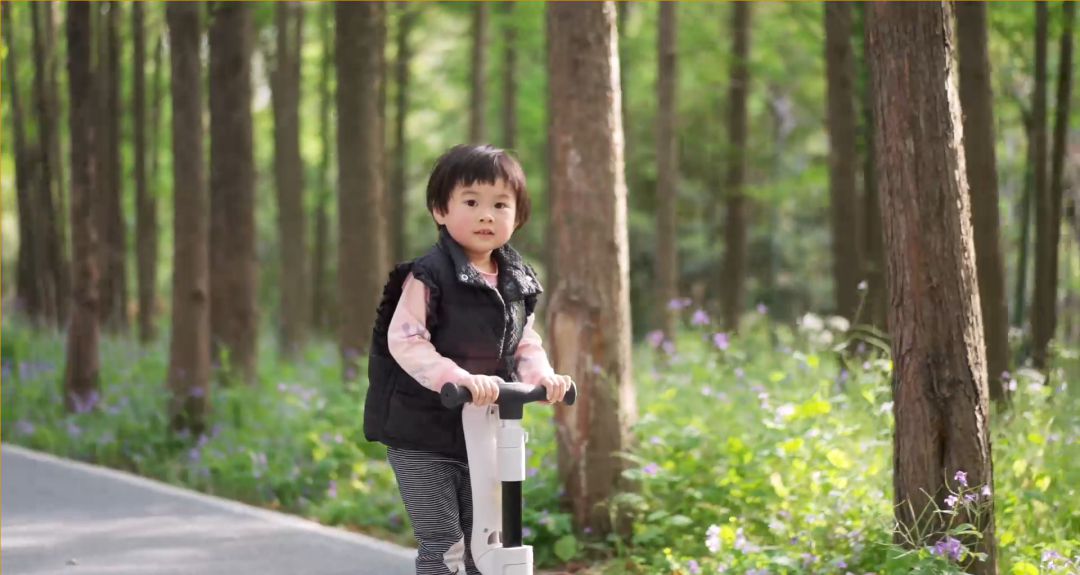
(495, 442)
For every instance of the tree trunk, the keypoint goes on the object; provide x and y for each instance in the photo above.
(82, 362)
(52, 88)
(843, 199)
(51, 264)
(875, 304)
(477, 128)
(1042, 298)
(233, 261)
(1057, 166)
(510, 81)
(734, 267)
(406, 21)
(109, 208)
(667, 162)
(976, 99)
(1026, 201)
(363, 244)
(145, 205)
(941, 404)
(289, 177)
(588, 315)
(28, 283)
(189, 352)
(320, 289)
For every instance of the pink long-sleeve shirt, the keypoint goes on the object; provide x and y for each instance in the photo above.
(411, 347)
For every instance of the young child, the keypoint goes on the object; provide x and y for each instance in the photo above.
(461, 313)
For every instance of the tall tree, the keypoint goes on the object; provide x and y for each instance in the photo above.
(321, 290)
(1042, 298)
(588, 314)
(233, 266)
(289, 177)
(840, 72)
(362, 235)
(145, 205)
(51, 278)
(940, 395)
(1056, 190)
(109, 205)
(510, 78)
(28, 288)
(667, 163)
(873, 258)
(976, 99)
(82, 361)
(407, 16)
(189, 350)
(477, 127)
(735, 225)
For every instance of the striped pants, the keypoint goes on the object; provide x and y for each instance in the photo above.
(438, 498)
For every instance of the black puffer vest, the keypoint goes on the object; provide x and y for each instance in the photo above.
(477, 327)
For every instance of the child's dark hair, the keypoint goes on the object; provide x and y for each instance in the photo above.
(467, 164)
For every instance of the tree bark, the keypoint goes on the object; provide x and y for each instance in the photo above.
(233, 261)
(667, 161)
(510, 79)
(50, 266)
(320, 289)
(941, 404)
(406, 21)
(588, 315)
(28, 282)
(189, 351)
(82, 361)
(843, 199)
(289, 177)
(735, 226)
(1057, 168)
(1042, 298)
(874, 308)
(145, 205)
(363, 244)
(976, 98)
(477, 126)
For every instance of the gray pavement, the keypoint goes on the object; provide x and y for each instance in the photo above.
(69, 518)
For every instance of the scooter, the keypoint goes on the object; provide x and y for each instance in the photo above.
(495, 443)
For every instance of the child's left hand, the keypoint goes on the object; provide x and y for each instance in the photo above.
(556, 386)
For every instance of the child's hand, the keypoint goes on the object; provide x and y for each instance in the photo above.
(556, 386)
(484, 388)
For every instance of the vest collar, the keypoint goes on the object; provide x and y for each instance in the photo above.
(515, 278)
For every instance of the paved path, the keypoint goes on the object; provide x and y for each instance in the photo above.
(69, 518)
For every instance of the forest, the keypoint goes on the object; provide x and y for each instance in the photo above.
(813, 266)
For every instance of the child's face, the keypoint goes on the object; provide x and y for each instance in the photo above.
(480, 217)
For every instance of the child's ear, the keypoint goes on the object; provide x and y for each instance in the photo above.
(440, 217)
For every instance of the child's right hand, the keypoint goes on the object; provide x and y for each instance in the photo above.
(484, 388)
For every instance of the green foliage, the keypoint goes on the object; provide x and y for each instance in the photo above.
(753, 452)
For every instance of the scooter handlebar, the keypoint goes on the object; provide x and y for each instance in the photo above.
(511, 393)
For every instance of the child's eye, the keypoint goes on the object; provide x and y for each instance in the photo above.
(502, 205)
(470, 203)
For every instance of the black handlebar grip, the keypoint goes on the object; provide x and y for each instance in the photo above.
(510, 394)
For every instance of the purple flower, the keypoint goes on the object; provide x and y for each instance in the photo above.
(331, 490)
(700, 318)
(762, 309)
(961, 478)
(532, 472)
(950, 501)
(720, 340)
(949, 547)
(23, 427)
(651, 469)
(669, 347)
(986, 490)
(197, 392)
(526, 532)
(194, 455)
(695, 569)
(655, 338)
(73, 429)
